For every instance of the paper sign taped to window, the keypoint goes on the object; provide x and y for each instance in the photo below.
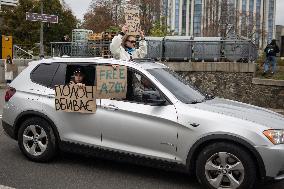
(111, 82)
(132, 20)
(72, 98)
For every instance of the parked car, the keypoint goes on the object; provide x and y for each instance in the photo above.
(226, 144)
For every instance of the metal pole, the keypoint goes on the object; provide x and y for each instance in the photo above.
(41, 32)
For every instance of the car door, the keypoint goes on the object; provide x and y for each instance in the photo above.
(135, 127)
(72, 126)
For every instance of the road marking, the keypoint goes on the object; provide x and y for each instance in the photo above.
(5, 187)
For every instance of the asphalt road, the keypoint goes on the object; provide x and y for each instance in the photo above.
(75, 171)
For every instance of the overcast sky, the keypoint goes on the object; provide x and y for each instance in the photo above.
(80, 7)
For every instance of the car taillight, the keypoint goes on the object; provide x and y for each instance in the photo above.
(9, 93)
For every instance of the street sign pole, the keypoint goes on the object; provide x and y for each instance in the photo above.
(41, 32)
(40, 17)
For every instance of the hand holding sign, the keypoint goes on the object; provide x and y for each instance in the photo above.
(124, 29)
(142, 34)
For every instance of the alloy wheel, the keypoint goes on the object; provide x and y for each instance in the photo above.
(224, 170)
(35, 140)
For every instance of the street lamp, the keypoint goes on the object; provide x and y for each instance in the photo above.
(41, 32)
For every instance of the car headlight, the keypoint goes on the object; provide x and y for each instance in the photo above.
(275, 136)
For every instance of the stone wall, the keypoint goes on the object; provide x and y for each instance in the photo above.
(235, 82)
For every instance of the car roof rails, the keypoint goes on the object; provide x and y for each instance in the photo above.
(143, 60)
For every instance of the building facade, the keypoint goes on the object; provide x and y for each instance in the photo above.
(254, 19)
(280, 38)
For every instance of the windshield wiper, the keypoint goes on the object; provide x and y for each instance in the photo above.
(196, 102)
(209, 97)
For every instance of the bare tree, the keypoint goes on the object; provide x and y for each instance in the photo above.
(150, 12)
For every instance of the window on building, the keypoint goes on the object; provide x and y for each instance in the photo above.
(197, 18)
(270, 20)
(177, 15)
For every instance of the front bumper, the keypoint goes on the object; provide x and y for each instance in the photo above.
(9, 130)
(273, 159)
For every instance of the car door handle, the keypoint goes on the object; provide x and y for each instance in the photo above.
(111, 107)
(51, 95)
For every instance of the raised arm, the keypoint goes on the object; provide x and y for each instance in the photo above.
(115, 46)
(142, 51)
(116, 42)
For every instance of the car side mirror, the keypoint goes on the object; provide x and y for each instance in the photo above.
(153, 98)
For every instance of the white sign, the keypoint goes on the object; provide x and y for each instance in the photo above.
(9, 2)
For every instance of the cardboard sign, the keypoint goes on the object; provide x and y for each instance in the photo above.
(12, 68)
(111, 82)
(132, 20)
(72, 98)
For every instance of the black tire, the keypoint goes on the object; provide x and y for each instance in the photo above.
(212, 153)
(45, 148)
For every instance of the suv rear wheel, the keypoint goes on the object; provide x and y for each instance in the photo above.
(36, 140)
(223, 165)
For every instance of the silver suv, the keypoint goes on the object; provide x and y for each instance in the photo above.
(226, 144)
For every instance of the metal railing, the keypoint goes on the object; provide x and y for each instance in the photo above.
(169, 50)
(20, 53)
(90, 49)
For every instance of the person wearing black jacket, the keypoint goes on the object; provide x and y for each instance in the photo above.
(271, 50)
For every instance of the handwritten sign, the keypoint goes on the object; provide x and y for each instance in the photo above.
(11, 67)
(111, 82)
(132, 21)
(72, 98)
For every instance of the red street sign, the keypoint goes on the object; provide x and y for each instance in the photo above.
(43, 18)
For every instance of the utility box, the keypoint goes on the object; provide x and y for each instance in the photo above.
(7, 46)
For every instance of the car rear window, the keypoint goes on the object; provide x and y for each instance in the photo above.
(43, 74)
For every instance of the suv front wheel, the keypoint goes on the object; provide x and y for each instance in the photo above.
(36, 140)
(223, 165)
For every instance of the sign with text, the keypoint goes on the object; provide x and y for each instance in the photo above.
(111, 82)
(41, 17)
(132, 20)
(12, 67)
(74, 98)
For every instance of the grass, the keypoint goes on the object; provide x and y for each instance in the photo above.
(279, 75)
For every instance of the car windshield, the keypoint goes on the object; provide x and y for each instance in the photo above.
(178, 86)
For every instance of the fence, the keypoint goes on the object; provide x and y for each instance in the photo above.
(169, 50)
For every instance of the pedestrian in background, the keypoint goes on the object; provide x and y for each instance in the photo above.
(123, 46)
(271, 50)
(8, 73)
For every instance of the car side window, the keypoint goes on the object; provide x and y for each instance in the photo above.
(43, 74)
(140, 89)
(80, 73)
(59, 77)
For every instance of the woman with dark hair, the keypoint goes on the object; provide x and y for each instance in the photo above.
(271, 50)
(78, 77)
(123, 46)
(8, 73)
